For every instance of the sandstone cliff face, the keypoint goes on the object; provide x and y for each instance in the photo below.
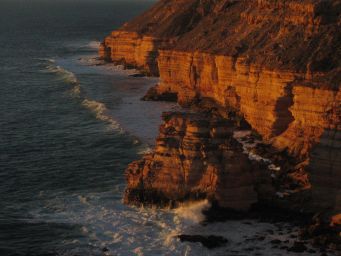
(196, 157)
(262, 96)
(314, 112)
(132, 50)
(275, 63)
(289, 115)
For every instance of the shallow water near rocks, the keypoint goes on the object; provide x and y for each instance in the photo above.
(69, 126)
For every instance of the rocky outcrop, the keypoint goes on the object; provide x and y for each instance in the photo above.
(276, 64)
(196, 157)
(132, 50)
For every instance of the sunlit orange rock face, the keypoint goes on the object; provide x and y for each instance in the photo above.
(263, 96)
(275, 63)
(195, 157)
(132, 49)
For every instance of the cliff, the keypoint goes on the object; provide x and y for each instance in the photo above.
(196, 157)
(274, 64)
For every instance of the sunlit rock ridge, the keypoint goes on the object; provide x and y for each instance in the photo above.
(275, 65)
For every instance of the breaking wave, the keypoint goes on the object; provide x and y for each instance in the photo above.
(97, 108)
(193, 211)
(62, 73)
(101, 113)
(94, 45)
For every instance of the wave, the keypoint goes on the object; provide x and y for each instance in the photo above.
(50, 60)
(91, 61)
(64, 74)
(109, 226)
(145, 150)
(101, 113)
(76, 90)
(98, 108)
(193, 211)
(94, 45)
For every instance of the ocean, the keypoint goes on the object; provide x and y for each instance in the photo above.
(69, 125)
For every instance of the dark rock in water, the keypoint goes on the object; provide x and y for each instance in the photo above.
(153, 95)
(261, 238)
(323, 234)
(249, 249)
(138, 75)
(276, 241)
(270, 231)
(298, 247)
(207, 241)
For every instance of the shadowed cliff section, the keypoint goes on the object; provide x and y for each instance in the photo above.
(275, 65)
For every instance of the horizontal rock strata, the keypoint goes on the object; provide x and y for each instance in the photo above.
(132, 50)
(195, 157)
(277, 64)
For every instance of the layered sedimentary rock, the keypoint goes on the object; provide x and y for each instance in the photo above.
(262, 96)
(314, 111)
(276, 64)
(132, 50)
(196, 157)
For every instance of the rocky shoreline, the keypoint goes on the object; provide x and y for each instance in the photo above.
(199, 157)
(263, 125)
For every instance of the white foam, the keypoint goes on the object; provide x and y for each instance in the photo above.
(249, 144)
(106, 223)
(76, 90)
(64, 74)
(94, 44)
(243, 137)
(101, 113)
(273, 167)
(145, 150)
(50, 60)
(192, 211)
(92, 61)
(83, 199)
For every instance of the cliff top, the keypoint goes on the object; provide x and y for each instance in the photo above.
(297, 35)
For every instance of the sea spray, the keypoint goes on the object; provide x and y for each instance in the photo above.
(186, 215)
(192, 212)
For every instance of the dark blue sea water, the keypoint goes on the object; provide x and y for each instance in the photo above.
(67, 129)
(69, 125)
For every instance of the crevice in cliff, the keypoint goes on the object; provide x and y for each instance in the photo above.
(282, 109)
